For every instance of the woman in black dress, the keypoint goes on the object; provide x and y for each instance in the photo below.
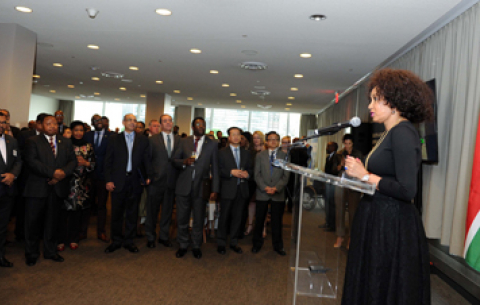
(388, 261)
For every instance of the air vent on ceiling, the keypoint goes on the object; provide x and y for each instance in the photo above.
(261, 92)
(112, 75)
(86, 96)
(127, 80)
(264, 106)
(259, 87)
(253, 65)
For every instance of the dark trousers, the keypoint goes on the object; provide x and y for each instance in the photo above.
(158, 194)
(99, 191)
(19, 216)
(277, 208)
(330, 206)
(231, 212)
(37, 211)
(125, 202)
(69, 226)
(6, 204)
(185, 205)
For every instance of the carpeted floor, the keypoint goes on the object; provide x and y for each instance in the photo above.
(156, 276)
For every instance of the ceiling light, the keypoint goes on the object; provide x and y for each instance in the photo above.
(214, 71)
(239, 101)
(143, 95)
(133, 68)
(36, 76)
(93, 47)
(53, 91)
(243, 106)
(159, 82)
(200, 104)
(225, 85)
(233, 94)
(318, 17)
(289, 104)
(176, 91)
(298, 75)
(123, 88)
(95, 78)
(287, 109)
(305, 55)
(57, 64)
(291, 98)
(294, 89)
(163, 12)
(71, 86)
(96, 93)
(77, 97)
(190, 98)
(195, 51)
(23, 9)
(117, 99)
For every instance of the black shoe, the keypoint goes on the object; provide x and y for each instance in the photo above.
(132, 248)
(166, 243)
(139, 235)
(281, 252)
(197, 253)
(112, 248)
(329, 230)
(256, 249)
(31, 261)
(151, 244)
(221, 250)
(324, 226)
(236, 249)
(5, 263)
(181, 252)
(56, 258)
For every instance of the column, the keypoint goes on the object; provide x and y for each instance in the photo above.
(157, 104)
(183, 118)
(17, 57)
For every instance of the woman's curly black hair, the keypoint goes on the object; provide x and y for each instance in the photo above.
(403, 91)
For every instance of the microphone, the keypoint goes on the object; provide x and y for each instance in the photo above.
(334, 128)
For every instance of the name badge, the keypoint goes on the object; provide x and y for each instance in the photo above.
(14, 153)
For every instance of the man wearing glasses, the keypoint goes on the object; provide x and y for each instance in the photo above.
(59, 118)
(271, 182)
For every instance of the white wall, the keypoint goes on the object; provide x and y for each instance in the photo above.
(40, 104)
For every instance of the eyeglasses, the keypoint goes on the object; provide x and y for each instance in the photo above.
(3, 122)
(271, 140)
(98, 120)
(59, 115)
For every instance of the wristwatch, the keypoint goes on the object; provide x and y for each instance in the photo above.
(365, 178)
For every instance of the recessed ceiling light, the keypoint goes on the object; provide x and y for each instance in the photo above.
(133, 68)
(195, 51)
(159, 82)
(200, 104)
(93, 47)
(225, 85)
(289, 104)
(291, 98)
(57, 64)
(95, 78)
(214, 71)
(305, 55)
(176, 91)
(77, 97)
(298, 75)
(23, 9)
(143, 95)
(163, 12)
(117, 99)
(239, 101)
(294, 89)
(287, 109)
(233, 94)
(52, 91)
(36, 76)
(71, 86)
(243, 106)
(96, 93)
(190, 98)
(123, 88)
(318, 17)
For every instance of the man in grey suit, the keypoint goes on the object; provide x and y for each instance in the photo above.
(10, 167)
(162, 188)
(271, 182)
(196, 158)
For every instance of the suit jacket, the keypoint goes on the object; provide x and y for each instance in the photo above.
(205, 165)
(42, 164)
(162, 168)
(15, 131)
(228, 183)
(61, 129)
(331, 164)
(13, 165)
(100, 152)
(22, 139)
(116, 160)
(278, 179)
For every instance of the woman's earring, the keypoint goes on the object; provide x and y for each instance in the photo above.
(393, 111)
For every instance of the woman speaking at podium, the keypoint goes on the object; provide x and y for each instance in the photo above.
(388, 261)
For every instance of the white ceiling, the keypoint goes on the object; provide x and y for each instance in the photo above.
(355, 38)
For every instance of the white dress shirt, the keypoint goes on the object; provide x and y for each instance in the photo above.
(54, 139)
(165, 140)
(199, 146)
(100, 134)
(3, 148)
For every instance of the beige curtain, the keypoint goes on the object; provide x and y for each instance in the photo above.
(67, 108)
(307, 122)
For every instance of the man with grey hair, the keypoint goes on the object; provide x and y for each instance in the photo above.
(154, 127)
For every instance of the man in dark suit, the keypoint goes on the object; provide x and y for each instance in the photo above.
(271, 182)
(161, 190)
(196, 158)
(10, 167)
(50, 159)
(10, 130)
(99, 139)
(235, 167)
(332, 167)
(126, 160)
(59, 117)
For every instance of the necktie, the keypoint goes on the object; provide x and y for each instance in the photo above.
(52, 145)
(272, 158)
(130, 146)
(196, 144)
(97, 139)
(169, 146)
(237, 160)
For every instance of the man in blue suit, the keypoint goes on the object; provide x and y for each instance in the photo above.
(99, 139)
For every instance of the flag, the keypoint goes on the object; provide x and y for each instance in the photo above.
(472, 235)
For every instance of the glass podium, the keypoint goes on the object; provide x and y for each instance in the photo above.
(313, 265)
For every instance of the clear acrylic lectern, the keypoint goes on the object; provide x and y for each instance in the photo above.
(313, 266)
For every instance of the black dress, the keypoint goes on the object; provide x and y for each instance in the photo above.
(388, 261)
